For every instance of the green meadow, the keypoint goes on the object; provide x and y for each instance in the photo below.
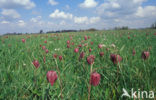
(20, 79)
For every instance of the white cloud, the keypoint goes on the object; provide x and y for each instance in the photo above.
(108, 8)
(38, 22)
(62, 22)
(75, 19)
(115, 5)
(81, 20)
(21, 23)
(61, 14)
(88, 4)
(117, 8)
(94, 19)
(129, 13)
(53, 2)
(148, 11)
(41, 23)
(13, 4)
(33, 20)
(36, 19)
(117, 20)
(138, 1)
(5, 22)
(86, 20)
(11, 13)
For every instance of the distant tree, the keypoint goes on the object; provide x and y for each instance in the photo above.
(124, 28)
(153, 25)
(59, 31)
(121, 28)
(41, 31)
(92, 29)
(116, 28)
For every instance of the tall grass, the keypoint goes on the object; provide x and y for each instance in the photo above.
(19, 79)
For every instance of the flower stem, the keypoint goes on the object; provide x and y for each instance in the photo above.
(89, 87)
(59, 77)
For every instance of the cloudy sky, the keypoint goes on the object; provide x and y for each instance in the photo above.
(33, 15)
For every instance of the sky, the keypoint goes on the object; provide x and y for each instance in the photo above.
(33, 15)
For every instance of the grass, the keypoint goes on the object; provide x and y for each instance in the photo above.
(19, 79)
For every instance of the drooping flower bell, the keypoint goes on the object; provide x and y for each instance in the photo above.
(85, 37)
(36, 63)
(55, 56)
(46, 51)
(72, 43)
(68, 46)
(60, 58)
(134, 52)
(91, 43)
(145, 55)
(95, 79)
(85, 44)
(82, 54)
(43, 47)
(23, 40)
(68, 41)
(51, 77)
(100, 46)
(115, 58)
(45, 41)
(101, 54)
(90, 59)
(79, 45)
(76, 50)
(90, 50)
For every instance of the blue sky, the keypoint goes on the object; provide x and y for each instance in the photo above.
(33, 15)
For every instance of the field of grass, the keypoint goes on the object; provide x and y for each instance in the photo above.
(20, 79)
